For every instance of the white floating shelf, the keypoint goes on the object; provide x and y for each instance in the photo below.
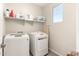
(30, 20)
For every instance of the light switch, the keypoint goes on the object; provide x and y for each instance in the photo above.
(0, 46)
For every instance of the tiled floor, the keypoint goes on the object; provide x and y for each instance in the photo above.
(50, 54)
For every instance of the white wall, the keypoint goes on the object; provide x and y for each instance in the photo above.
(62, 35)
(70, 26)
(14, 26)
(1, 26)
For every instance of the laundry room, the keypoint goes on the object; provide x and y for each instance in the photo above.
(24, 21)
(39, 29)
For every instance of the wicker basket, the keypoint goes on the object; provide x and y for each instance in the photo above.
(73, 53)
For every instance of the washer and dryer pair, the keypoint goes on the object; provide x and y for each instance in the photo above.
(18, 44)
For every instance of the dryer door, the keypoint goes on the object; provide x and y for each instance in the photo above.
(42, 43)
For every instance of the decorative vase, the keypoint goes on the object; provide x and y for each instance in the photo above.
(11, 13)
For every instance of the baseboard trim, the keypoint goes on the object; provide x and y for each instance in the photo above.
(55, 52)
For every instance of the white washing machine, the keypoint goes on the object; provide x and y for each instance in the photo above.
(16, 45)
(39, 43)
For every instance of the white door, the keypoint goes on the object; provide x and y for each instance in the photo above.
(1, 26)
(77, 27)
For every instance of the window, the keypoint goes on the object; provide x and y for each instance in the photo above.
(58, 13)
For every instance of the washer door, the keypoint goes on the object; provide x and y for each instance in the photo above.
(42, 43)
(16, 47)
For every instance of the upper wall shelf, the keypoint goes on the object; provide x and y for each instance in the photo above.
(30, 20)
(10, 14)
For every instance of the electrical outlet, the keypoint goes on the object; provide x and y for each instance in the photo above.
(0, 52)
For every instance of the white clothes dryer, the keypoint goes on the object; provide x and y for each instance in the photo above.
(39, 43)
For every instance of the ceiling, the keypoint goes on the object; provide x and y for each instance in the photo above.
(44, 4)
(41, 4)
